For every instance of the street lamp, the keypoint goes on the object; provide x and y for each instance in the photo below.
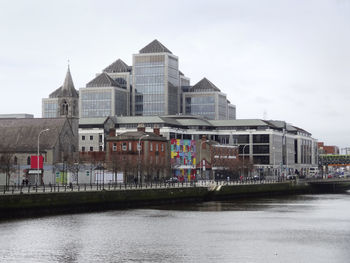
(200, 156)
(274, 172)
(139, 148)
(42, 131)
(243, 156)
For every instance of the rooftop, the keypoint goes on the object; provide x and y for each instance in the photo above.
(117, 66)
(204, 85)
(155, 47)
(22, 134)
(67, 89)
(103, 80)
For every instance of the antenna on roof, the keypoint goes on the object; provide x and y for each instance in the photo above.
(68, 61)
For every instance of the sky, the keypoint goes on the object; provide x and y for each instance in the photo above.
(275, 59)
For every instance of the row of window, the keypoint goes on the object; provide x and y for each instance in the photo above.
(83, 137)
(125, 146)
(91, 148)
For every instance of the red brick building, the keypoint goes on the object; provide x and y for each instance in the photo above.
(139, 155)
(324, 149)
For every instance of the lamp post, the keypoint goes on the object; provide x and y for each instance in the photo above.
(45, 130)
(139, 149)
(274, 172)
(200, 158)
(243, 156)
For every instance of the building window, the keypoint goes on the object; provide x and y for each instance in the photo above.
(261, 138)
(157, 149)
(28, 160)
(100, 148)
(91, 149)
(261, 149)
(130, 146)
(83, 149)
(114, 147)
(124, 146)
(91, 137)
(162, 145)
(151, 147)
(83, 137)
(100, 138)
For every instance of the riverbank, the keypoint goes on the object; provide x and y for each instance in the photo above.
(46, 203)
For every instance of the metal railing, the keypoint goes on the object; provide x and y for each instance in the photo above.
(59, 188)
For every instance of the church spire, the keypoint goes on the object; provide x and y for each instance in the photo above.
(68, 81)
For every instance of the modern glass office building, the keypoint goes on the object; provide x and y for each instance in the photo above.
(155, 81)
(206, 100)
(103, 97)
(152, 86)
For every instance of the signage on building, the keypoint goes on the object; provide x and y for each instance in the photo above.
(34, 162)
(34, 171)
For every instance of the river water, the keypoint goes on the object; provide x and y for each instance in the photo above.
(307, 228)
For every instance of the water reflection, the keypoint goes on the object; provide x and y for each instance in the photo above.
(290, 229)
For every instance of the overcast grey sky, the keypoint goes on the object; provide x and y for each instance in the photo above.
(285, 60)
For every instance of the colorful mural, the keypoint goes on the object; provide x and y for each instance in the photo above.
(183, 159)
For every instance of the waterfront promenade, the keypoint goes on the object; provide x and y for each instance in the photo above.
(59, 188)
(24, 201)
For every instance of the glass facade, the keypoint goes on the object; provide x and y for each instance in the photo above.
(201, 105)
(120, 102)
(149, 84)
(50, 109)
(96, 103)
(231, 112)
(173, 86)
(156, 82)
(222, 107)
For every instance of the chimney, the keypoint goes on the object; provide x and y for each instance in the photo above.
(156, 130)
(111, 132)
(141, 127)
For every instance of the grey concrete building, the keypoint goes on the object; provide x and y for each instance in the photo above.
(93, 133)
(16, 116)
(274, 147)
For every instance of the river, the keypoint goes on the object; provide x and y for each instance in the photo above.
(306, 228)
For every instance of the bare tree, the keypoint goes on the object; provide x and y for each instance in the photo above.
(74, 167)
(115, 163)
(7, 166)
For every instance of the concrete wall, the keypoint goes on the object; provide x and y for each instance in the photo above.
(72, 202)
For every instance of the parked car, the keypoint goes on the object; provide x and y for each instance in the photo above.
(172, 180)
(291, 177)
